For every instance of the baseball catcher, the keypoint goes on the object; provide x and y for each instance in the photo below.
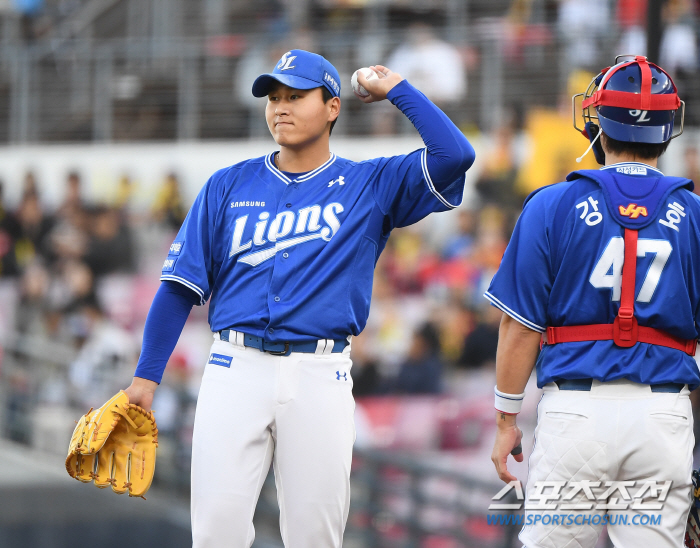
(602, 271)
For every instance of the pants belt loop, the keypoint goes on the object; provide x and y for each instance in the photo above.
(330, 343)
(321, 346)
(238, 339)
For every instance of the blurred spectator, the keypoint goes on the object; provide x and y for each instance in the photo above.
(491, 239)
(679, 50)
(409, 262)
(496, 182)
(168, 208)
(8, 231)
(421, 372)
(430, 64)
(72, 287)
(105, 363)
(29, 185)
(33, 228)
(28, 7)
(461, 242)
(174, 405)
(433, 66)
(692, 167)
(67, 242)
(480, 345)
(110, 247)
(583, 24)
(34, 287)
(554, 144)
(124, 194)
(73, 207)
(18, 408)
(365, 373)
(631, 17)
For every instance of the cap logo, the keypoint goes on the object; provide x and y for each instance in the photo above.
(640, 115)
(286, 61)
(331, 82)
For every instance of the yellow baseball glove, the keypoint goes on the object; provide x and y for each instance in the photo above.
(115, 445)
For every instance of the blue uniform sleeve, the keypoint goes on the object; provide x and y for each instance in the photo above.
(410, 187)
(167, 316)
(523, 282)
(189, 260)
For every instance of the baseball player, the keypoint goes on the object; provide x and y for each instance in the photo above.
(285, 247)
(603, 270)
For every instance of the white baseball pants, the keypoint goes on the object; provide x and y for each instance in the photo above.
(618, 431)
(295, 411)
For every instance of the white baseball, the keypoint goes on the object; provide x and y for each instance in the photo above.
(356, 86)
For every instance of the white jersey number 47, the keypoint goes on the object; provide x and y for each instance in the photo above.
(607, 273)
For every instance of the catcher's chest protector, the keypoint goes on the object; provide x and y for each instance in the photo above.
(633, 203)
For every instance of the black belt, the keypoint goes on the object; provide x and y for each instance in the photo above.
(282, 348)
(585, 385)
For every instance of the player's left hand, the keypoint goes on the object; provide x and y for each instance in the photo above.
(379, 87)
(508, 438)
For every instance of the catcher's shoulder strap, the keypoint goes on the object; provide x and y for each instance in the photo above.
(634, 201)
(625, 331)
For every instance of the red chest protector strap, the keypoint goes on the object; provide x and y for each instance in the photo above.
(624, 331)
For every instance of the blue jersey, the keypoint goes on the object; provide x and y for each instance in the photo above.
(292, 259)
(564, 262)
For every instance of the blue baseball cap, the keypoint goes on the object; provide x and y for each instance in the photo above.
(300, 69)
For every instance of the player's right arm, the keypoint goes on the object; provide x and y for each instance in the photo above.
(520, 289)
(515, 358)
(429, 180)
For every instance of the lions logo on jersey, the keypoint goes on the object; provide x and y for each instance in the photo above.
(306, 225)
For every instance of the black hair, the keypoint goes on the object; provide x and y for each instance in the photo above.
(327, 96)
(646, 151)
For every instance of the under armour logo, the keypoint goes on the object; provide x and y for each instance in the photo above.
(633, 211)
(340, 180)
(286, 61)
(338, 375)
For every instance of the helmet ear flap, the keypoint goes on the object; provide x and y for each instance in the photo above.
(592, 131)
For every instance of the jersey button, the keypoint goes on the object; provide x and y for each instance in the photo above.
(271, 329)
(277, 299)
(285, 255)
(289, 205)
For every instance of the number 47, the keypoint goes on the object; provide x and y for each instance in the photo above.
(607, 273)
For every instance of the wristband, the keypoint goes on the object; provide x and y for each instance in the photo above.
(510, 404)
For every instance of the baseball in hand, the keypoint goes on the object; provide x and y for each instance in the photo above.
(369, 74)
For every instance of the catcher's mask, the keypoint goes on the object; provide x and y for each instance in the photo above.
(633, 101)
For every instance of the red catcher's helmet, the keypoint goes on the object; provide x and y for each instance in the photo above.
(635, 101)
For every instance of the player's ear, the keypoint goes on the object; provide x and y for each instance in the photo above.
(334, 108)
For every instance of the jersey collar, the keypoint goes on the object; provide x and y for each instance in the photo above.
(630, 167)
(270, 164)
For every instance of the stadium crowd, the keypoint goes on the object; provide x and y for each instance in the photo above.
(79, 279)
